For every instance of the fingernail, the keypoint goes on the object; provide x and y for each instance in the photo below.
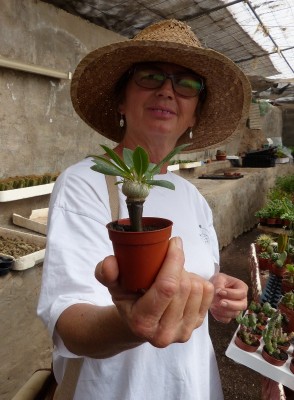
(178, 242)
(221, 292)
(224, 304)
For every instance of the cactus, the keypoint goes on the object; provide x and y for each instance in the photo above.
(274, 336)
(270, 335)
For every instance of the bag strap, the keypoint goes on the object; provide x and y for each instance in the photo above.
(113, 196)
(67, 388)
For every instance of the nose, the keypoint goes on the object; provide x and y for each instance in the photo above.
(166, 89)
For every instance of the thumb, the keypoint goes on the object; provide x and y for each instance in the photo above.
(106, 272)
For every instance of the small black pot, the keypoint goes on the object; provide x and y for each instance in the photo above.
(5, 264)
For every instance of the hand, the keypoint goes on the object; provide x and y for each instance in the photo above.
(171, 309)
(230, 297)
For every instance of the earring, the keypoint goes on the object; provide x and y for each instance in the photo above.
(121, 121)
(191, 133)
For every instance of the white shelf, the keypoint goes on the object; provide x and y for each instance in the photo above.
(256, 362)
(25, 193)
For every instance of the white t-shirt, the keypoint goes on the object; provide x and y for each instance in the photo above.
(77, 240)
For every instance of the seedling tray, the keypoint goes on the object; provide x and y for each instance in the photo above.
(36, 222)
(256, 362)
(26, 192)
(32, 259)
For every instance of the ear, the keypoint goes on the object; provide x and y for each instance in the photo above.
(193, 120)
(121, 108)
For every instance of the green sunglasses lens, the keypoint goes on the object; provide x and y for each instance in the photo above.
(183, 84)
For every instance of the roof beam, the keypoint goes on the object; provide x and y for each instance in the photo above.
(268, 34)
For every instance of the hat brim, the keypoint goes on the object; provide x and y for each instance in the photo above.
(228, 89)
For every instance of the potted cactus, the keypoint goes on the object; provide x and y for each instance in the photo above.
(271, 336)
(245, 338)
(263, 241)
(264, 261)
(129, 236)
(220, 155)
(288, 278)
(286, 306)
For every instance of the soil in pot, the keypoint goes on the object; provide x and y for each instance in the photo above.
(277, 359)
(140, 254)
(250, 348)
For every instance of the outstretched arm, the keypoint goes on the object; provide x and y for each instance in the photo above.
(168, 312)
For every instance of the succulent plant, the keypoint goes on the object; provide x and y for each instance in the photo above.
(137, 177)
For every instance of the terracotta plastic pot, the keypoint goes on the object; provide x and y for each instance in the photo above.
(290, 316)
(263, 263)
(250, 348)
(140, 254)
(278, 271)
(287, 286)
(272, 360)
(292, 366)
(221, 157)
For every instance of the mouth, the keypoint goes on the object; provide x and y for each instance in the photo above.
(162, 110)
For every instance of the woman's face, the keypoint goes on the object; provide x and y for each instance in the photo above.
(157, 115)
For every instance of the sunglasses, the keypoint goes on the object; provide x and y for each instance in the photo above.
(186, 84)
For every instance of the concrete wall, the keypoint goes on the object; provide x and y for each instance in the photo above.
(40, 131)
(272, 124)
(38, 123)
(288, 126)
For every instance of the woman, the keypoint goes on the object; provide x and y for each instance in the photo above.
(148, 91)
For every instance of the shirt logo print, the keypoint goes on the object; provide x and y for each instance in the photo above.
(204, 234)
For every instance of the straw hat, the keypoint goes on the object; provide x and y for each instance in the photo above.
(228, 90)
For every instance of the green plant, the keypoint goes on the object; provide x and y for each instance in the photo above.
(263, 241)
(255, 307)
(264, 255)
(288, 300)
(289, 273)
(137, 177)
(274, 336)
(270, 334)
(247, 325)
(268, 310)
(18, 182)
(283, 188)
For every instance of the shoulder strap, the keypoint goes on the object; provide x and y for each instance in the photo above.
(67, 388)
(113, 196)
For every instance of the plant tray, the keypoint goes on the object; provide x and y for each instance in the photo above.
(27, 192)
(218, 176)
(32, 259)
(283, 160)
(36, 222)
(256, 362)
